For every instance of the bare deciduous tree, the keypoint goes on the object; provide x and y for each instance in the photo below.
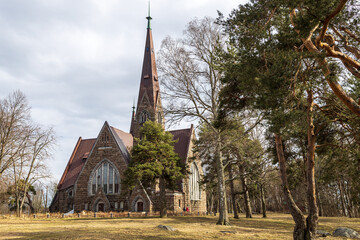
(24, 146)
(192, 85)
(14, 113)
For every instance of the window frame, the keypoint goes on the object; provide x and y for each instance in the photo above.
(194, 183)
(144, 116)
(95, 176)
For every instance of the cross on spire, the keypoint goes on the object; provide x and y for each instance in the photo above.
(148, 17)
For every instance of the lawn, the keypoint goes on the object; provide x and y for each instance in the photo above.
(276, 226)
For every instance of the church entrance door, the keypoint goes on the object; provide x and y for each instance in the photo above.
(140, 206)
(101, 207)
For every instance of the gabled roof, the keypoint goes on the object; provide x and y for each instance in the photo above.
(76, 162)
(124, 141)
(82, 150)
(184, 139)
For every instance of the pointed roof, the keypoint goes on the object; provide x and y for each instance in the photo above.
(182, 146)
(149, 84)
(124, 141)
(149, 78)
(76, 162)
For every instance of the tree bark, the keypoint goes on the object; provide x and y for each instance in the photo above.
(163, 208)
(299, 232)
(321, 210)
(312, 219)
(245, 193)
(342, 199)
(263, 203)
(233, 195)
(223, 210)
(329, 76)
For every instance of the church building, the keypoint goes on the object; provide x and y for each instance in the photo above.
(93, 177)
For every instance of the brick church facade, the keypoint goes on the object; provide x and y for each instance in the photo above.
(93, 177)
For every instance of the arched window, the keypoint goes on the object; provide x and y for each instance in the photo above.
(105, 176)
(194, 182)
(144, 116)
(159, 117)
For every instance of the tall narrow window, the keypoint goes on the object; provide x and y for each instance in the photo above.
(106, 177)
(93, 185)
(159, 117)
(144, 116)
(111, 180)
(105, 180)
(116, 183)
(99, 176)
(194, 184)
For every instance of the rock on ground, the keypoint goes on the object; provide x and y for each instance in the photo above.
(232, 232)
(322, 233)
(346, 232)
(167, 228)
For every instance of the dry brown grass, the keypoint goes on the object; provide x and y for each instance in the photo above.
(276, 226)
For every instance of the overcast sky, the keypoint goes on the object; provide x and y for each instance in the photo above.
(79, 61)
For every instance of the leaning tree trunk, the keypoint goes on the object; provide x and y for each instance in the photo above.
(223, 211)
(30, 204)
(245, 192)
(312, 219)
(232, 189)
(299, 232)
(163, 208)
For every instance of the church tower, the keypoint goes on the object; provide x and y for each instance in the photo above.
(149, 103)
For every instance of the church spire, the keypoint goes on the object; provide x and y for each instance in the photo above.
(149, 103)
(148, 17)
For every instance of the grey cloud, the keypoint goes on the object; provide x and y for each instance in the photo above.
(79, 62)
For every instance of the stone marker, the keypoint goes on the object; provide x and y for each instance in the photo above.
(232, 232)
(346, 232)
(167, 228)
(322, 233)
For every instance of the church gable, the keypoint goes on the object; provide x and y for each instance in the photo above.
(104, 168)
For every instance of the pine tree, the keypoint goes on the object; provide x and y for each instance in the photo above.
(152, 159)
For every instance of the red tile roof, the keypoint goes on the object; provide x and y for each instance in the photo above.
(76, 162)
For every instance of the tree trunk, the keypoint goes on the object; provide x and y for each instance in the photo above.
(300, 230)
(233, 195)
(46, 199)
(18, 210)
(349, 205)
(212, 203)
(163, 208)
(312, 219)
(245, 192)
(342, 199)
(30, 203)
(263, 203)
(321, 210)
(223, 211)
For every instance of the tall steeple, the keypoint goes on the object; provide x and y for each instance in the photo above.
(149, 102)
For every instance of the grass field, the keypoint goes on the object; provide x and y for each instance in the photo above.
(276, 226)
